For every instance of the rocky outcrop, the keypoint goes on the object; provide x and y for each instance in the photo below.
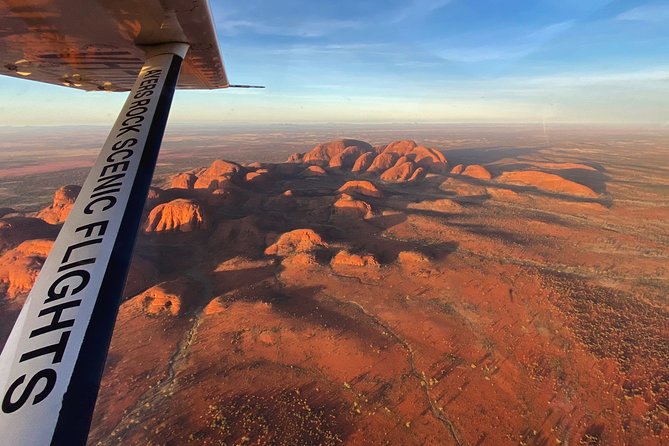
(546, 181)
(346, 258)
(363, 162)
(299, 240)
(178, 215)
(349, 207)
(366, 188)
(185, 180)
(457, 170)
(477, 171)
(19, 266)
(168, 298)
(313, 171)
(217, 172)
(400, 173)
(347, 158)
(382, 162)
(322, 153)
(63, 200)
(401, 148)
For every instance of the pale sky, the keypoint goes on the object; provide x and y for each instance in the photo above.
(593, 61)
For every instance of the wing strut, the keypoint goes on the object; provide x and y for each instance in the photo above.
(52, 363)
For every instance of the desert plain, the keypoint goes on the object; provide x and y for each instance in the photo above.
(440, 285)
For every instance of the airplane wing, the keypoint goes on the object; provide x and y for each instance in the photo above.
(52, 363)
(98, 44)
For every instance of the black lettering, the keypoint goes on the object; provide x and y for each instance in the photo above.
(57, 292)
(76, 264)
(56, 323)
(71, 248)
(124, 130)
(142, 93)
(111, 158)
(136, 119)
(107, 182)
(8, 406)
(57, 349)
(89, 228)
(125, 143)
(136, 111)
(104, 192)
(111, 201)
(140, 103)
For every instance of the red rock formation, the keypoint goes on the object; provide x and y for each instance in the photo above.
(313, 171)
(431, 160)
(322, 153)
(295, 158)
(346, 159)
(418, 175)
(363, 162)
(300, 260)
(477, 171)
(63, 200)
(403, 147)
(346, 258)
(218, 171)
(412, 259)
(299, 240)
(19, 266)
(366, 188)
(178, 215)
(260, 176)
(457, 170)
(185, 180)
(167, 298)
(382, 162)
(349, 207)
(546, 181)
(400, 173)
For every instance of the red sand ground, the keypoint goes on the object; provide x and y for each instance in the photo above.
(463, 311)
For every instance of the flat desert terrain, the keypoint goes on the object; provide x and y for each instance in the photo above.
(406, 285)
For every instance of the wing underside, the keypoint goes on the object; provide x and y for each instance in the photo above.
(100, 44)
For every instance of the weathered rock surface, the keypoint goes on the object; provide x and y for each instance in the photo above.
(362, 187)
(63, 200)
(19, 266)
(181, 215)
(477, 171)
(299, 240)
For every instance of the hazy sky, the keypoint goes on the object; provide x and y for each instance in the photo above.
(411, 61)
